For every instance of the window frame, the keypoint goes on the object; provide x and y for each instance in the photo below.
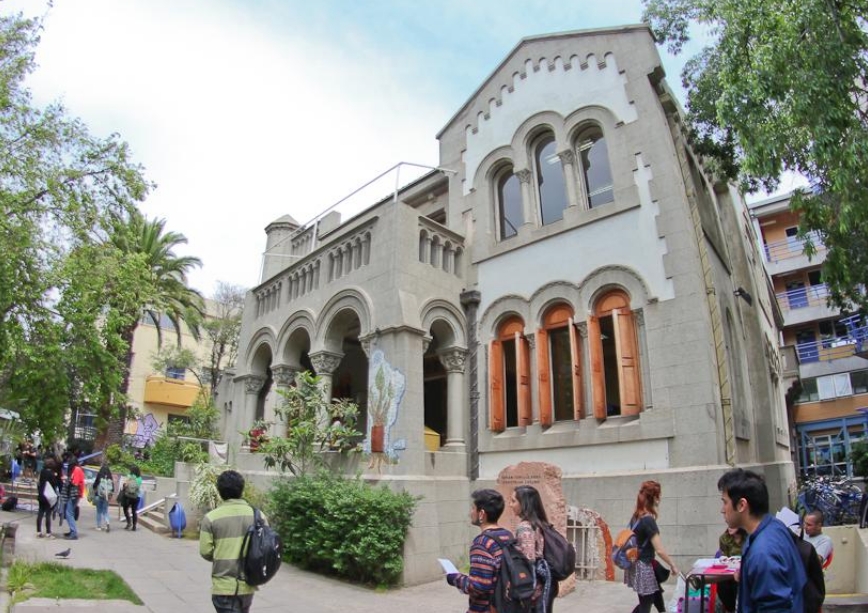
(541, 142)
(615, 303)
(511, 329)
(557, 318)
(501, 177)
(586, 140)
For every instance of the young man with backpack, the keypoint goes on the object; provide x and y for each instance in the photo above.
(221, 537)
(486, 553)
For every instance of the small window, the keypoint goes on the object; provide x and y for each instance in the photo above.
(809, 391)
(614, 353)
(596, 171)
(550, 180)
(509, 377)
(509, 205)
(859, 380)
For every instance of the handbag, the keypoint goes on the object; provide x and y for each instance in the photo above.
(50, 494)
(661, 573)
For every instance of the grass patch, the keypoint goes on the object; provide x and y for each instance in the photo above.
(53, 580)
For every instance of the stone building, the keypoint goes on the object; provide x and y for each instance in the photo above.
(569, 287)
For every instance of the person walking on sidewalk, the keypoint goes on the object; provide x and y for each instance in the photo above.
(103, 488)
(74, 492)
(46, 476)
(221, 534)
(132, 490)
(526, 504)
(485, 552)
(772, 575)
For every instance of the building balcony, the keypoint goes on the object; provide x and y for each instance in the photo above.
(838, 348)
(805, 304)
(789, 255)
(170, 392)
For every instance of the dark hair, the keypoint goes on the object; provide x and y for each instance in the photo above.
(135, 470)
(818, 515)
(104, 471)
(72, 461)
(530, 506)
(230, 484)
(489, 501)
(739, 483)
(646, 501)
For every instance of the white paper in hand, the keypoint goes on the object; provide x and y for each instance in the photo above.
(448, 566)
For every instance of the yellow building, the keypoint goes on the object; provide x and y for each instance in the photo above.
(827, 344)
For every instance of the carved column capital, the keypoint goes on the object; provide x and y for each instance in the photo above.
(325, 362)
(252, 383)
(426, 342)
(367, 343)
(639, 317)
(567, 157)
(453, 359)
(524, 175)
(284, 376)
(582, 327)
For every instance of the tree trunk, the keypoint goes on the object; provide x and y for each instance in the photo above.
(116, 420)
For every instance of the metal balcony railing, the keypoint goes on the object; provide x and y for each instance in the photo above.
(834, 348)
(792, 247)
(802, 297)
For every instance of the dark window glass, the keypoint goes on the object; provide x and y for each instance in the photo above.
(814, 277)
(562, 379)
(610, 366)
(809, 391)
(509, 205)
(598, 174)
(859, 381)
(510, 383)
(550, 179)
(175, 372)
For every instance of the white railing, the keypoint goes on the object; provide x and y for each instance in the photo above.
(803, 297)
(792, 247)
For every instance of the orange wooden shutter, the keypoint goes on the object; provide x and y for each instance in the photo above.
(522, 349)
(544, 377)
(598, 381)
(628, 362)
(495, 387)
(576, 358)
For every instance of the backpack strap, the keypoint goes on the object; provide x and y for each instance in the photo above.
(245, 543)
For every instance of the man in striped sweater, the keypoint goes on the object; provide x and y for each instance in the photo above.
(220, 536)
(485, 552)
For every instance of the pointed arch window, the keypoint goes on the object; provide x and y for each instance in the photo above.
(559, 369)
(509, 377)
(549, 179)
(509, 206)
(596, 172)
(614, 355)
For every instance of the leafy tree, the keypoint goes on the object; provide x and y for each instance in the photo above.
(223, 329)
(859, 457)
(59, 186)
(782, 87)
(312, 425)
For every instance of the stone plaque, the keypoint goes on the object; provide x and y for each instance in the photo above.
(546, 478)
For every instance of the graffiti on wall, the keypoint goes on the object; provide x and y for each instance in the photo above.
(147, 428)
(386, 386)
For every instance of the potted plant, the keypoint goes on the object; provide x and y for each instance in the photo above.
(381, 399)
(257, 435)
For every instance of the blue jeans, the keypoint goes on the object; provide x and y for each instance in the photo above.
(102, 511)
(71, 505)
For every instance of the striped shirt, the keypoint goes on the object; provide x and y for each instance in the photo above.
(485, 553)
(220, 536)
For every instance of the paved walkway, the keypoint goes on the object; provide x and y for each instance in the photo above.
(170, 577)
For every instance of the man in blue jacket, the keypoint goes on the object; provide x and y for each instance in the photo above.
(772, 575)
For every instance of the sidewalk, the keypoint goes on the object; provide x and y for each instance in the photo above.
(170, 577)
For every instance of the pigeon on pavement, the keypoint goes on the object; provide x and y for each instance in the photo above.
(63, 554)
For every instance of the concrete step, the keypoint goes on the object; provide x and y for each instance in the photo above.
(154, 521)
(845, 602)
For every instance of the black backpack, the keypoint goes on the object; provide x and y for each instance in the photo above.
(260, 552)
(516, 581)
(814, 592)
(559, 553)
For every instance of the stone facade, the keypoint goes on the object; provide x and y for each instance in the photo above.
(572, 289)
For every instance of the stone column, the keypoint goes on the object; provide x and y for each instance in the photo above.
(252, 386)
(527, 208)
(568, 161)
(470, 300)
(325, 363)
(284, 377)
(453, 361)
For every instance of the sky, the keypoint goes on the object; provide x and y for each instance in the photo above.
(242, 111)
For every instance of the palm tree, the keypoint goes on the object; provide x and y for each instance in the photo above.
(160, 290)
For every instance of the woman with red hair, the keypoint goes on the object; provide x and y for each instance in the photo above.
(641, 576)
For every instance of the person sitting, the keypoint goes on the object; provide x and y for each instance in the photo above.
(813, 526)
(730, 543)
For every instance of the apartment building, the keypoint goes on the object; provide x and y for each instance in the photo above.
(828, 400)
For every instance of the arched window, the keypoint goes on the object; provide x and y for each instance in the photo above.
(549, 179)
(614, 353)
(509, 206)
(559, 368)
(509, 377)
(595, 169)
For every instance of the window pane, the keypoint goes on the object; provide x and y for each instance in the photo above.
(809, 391)
(175, 372)
(826, 387)
(561, 375)
(550, 179)
(598, 174)
(859, 380)
(510, 383)
(842, 385)
(509, 203)
(610, 366)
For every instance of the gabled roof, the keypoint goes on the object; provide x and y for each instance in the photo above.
(641, 27)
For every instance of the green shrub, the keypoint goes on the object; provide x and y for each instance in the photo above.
(342, 526)
(859, 457)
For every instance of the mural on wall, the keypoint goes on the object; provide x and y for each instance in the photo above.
(147, 428)
(386, 387)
